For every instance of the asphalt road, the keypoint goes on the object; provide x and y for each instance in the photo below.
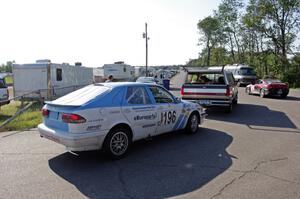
(254, 152)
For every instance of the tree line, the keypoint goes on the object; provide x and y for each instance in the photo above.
(261, 34)
(6, 68)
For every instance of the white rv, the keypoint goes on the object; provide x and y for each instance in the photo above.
(243, 74)
(119, 71)
(53, 80)
(98, 74)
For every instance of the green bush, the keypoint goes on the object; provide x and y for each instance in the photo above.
(292, 76)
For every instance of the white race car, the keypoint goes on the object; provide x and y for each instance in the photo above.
(110, 116)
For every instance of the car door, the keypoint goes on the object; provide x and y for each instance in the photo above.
(138, 109)
(258, 86)
(167, 108)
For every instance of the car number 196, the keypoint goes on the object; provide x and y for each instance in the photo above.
(168, 117)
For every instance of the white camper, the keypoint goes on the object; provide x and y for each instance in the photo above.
(119, 70)
(243, 74)
(98, 74)
(53, 80)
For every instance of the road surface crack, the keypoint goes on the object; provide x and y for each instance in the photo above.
(123, 183)
(254, 170)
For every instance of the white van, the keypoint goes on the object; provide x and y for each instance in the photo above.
(243, 74)
(3, 91)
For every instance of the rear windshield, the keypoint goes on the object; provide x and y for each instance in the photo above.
(81, 96)
(270, 81)
(145, 79)
(205, 78)
(246, 71)
(2, 83)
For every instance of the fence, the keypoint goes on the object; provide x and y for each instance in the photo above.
(37, 96)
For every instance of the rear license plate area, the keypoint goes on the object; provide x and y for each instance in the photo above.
(204, 102)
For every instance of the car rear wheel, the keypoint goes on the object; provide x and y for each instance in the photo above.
(262, 93)
(117, 143)
(192, 125)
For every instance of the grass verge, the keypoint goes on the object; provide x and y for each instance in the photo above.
(9, 80)
(29, 119)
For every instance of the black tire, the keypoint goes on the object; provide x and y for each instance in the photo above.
(192, 125)
(228, 109)
(117, 142)
(262, 93)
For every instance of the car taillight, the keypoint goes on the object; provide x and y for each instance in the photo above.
(45, 112)
(72, 118)
(228, 93)
(181, 91)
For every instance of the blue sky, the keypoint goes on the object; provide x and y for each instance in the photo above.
(97, 32)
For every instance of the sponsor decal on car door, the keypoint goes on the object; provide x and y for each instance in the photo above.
(140, 112)
(168, 110)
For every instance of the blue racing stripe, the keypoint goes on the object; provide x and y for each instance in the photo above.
(182, 122)
(178, 121)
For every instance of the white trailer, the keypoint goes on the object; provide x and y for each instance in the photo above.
(98, 74)
(243, 74)
(119, 70)
(53, 80)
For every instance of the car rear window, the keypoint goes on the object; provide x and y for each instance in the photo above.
(205, 78)
(81, 96)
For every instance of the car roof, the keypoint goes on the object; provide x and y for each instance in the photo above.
(2, 76)
(120, 84)
(203, 70)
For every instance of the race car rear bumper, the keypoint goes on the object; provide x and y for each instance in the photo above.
(73, 141)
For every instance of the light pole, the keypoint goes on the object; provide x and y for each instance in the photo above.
(145, 35)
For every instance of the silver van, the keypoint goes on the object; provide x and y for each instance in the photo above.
(243, 74)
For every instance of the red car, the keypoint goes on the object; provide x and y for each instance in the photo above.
(268, 87)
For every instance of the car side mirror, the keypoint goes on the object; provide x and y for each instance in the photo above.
(177, 100)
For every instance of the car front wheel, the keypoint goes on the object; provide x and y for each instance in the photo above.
(192, 125)
(117, 143)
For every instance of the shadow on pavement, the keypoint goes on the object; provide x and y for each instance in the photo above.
(169, 165)
(292, 98)
(256, 115)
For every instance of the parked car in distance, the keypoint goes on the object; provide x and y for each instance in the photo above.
(268, 87)
(149, 80)
(210, 87)
(4, 95)
(110, 116)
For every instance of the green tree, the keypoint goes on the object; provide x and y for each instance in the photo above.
(280, 23)
(210, 30)
(228, 14)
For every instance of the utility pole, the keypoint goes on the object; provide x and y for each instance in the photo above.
(145, 35)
